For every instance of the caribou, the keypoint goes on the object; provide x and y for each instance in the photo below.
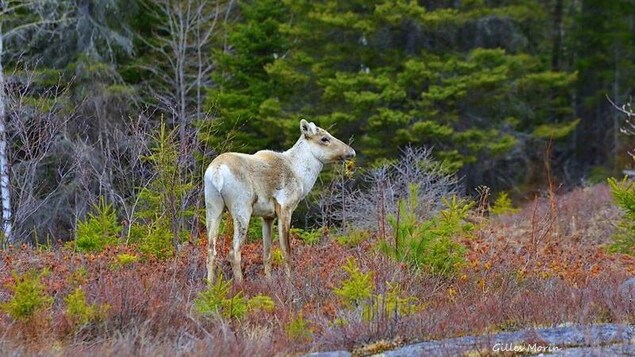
(269, 185)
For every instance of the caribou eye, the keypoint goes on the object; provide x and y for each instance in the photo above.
(325, 139)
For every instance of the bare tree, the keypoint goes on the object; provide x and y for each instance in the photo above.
(180, 73)
(367, 207)
(43, 15)
(43, 170)
(183, 56)
(629, 125)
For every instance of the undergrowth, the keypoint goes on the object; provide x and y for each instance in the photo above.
(545, 265)
(99, 229)
(624, 195)
(430, 245)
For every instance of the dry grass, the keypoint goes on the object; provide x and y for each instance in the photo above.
(544, 266)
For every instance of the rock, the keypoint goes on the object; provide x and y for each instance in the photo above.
(329, 354)
(627, 290)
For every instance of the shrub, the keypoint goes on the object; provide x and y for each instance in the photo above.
(254, 230)
(157, 242)
(384, 186)
(429, 245)
(99, 229)
(79, 312)
(299, 329)
(217, 300)
(391, 304)
(261, 302)
(124, 259)
(358, 288)
(309, 237)
(503, 205)
(353, 237)
(78, 276)
(28, 297)
(276, 256)
(357, 292)
(624, 196)
(167, 196)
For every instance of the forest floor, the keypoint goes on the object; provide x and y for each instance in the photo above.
(544, 267)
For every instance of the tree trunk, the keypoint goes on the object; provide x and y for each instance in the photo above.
(5, 194)
(557, 36)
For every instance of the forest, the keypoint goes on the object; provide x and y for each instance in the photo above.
(491, 137)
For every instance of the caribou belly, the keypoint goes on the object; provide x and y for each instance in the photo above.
(264, 208)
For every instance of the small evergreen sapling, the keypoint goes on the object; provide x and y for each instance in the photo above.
(79, 312)
(217, 300)
(624, 196)
(429, 245)
(99, 229)
(29, 297)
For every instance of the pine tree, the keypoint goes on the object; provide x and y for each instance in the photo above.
(246, 98)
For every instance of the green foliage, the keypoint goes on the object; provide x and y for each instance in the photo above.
(254, 231)
(624, 196)
(78, 276)
(390, 304)
(124, 260)
(299, 329)
(366, 70)
(79, 312)
(357, 292)
(276, 256)
(99, 229)
(261, 302)
(357, 289)
(247, 98)
(555, 131)
(309, 237)
(598, 174)
(429, 245)
(162, 203)
(218, 300)
(503, 205)
(29, 297)
(353, 237)
(157, 242)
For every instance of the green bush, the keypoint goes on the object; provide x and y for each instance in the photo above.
(254, 230)
(503, 205)
(124, 260)
(299, 329)
(624, 196)
(162, 201)
(217, 300)
(353, 238)
(309, 237)
(81, 313)
(261, 302)
(358, 288)
(99, 229)
(157, 242)
(429, 245)
(28, 297)
(357, 291)
(391, 304)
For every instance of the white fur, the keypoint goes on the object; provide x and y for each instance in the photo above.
(266, 184)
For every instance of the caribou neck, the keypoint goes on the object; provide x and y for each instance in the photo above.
(304, 164)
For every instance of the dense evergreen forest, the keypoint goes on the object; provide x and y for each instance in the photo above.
(123, 103)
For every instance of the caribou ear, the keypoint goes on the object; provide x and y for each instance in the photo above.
(307, 129)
